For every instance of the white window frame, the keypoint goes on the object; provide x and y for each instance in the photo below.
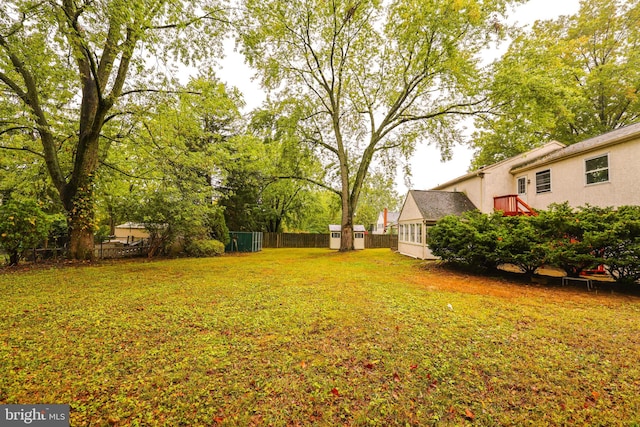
(523, 180)
(538, 191)
(588, 172)
(419, 233)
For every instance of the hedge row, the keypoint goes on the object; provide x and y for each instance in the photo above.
(571, 239)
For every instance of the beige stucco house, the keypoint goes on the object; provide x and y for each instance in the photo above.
(600, 171)
(420, 211)
(130, 232)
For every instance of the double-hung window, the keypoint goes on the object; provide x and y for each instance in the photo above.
(543, 181)
(597, 169)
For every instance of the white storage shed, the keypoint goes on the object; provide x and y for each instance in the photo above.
(336, 234)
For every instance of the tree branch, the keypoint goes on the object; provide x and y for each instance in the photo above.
(28, 150)
(311, 181)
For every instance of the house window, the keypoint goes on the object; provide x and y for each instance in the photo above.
(597, 169)
(412, 232)
(522, 185)
(359, 235)
(335, 235)
(418, 233)
(543, 181)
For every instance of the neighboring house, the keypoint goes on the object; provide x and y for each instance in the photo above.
(420, 211)
(386, 223)
(599, 171)
(130, 232)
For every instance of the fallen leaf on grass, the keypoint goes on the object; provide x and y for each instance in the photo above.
(372, 364)
(335, 392)
(469, 414)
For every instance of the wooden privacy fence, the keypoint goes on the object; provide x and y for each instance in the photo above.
(321, 240)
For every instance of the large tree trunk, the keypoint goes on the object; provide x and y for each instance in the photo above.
(80, 214)
(346, 238)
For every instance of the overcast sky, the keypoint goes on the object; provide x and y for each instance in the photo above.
(427, 169)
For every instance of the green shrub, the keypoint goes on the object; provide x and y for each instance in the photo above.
(23, 226)
(620, 244)
(204, 248)
(521, 244)
(569, 236)
(215, 224)
(470, 240)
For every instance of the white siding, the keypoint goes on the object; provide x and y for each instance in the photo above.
(411, 215)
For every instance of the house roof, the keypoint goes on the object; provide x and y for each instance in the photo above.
(601, 141)
(434, 204)
(391, 216)
(530, 155)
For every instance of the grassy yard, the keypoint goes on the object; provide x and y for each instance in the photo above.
(313, 337)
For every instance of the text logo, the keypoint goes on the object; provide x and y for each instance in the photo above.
(34, 415)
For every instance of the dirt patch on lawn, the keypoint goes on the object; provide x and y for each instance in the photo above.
(507, 284)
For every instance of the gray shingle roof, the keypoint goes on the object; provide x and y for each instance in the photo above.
(434, 205)
(614, 137)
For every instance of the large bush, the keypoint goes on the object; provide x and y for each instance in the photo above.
(521, 244)
(204, 248)
(23, 225)
(470, 240)
(174, 220)
(619, 244)
(567, 238)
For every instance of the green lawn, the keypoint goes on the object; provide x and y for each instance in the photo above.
(314, 337)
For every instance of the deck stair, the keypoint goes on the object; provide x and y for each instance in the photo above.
(512, 205)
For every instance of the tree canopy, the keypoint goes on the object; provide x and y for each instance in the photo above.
(68, 69)
(373, 77)
(566, 79)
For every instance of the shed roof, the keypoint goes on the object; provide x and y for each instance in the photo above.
(338, 228)
(434, 204)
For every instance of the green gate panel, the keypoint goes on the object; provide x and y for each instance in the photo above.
(244, 241)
